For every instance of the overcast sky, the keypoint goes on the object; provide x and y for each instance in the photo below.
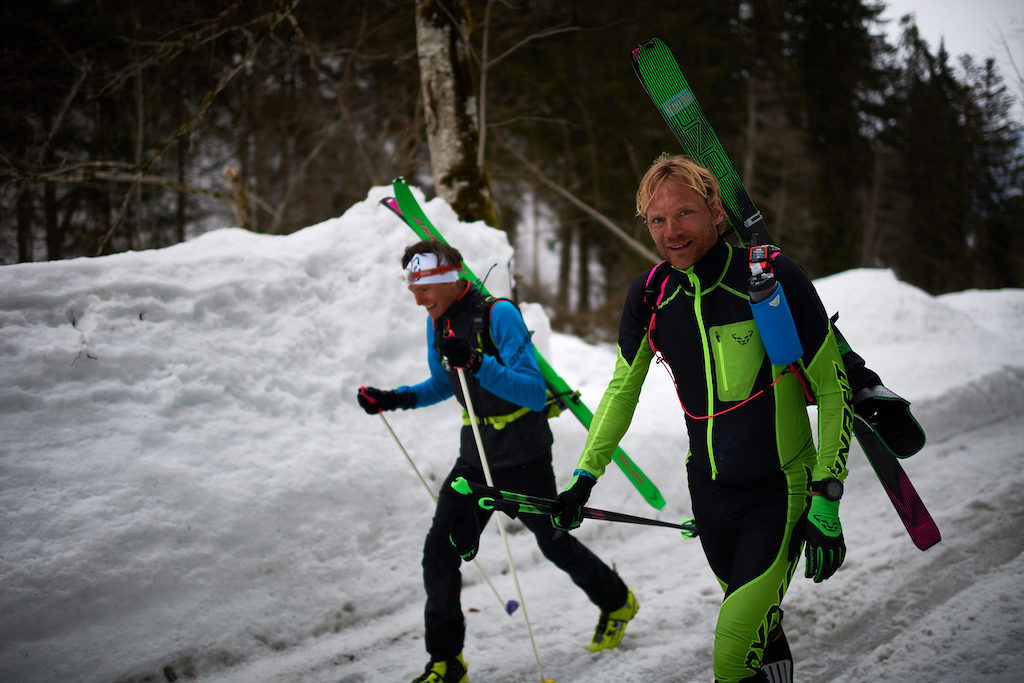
(978, 27)
(972, 27)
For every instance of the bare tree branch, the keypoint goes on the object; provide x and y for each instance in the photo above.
(485, 63)
(183, 39)
(482, 99)
(40, 154)
(191, 123)
(1013, 64)
(88, 172)
(576, 201)
(529, 39)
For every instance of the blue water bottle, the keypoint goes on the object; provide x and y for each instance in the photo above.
(771, 311)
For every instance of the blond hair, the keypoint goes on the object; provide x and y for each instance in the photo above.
(677, 167)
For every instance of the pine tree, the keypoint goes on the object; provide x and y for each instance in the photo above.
(996, 176)
(835, 69)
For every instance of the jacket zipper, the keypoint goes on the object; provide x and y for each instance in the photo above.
(705, 346)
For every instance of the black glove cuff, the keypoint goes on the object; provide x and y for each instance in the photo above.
(474, 363)
(585, 482)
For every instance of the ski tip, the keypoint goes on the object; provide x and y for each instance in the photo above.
(511, 606)
(646, 45)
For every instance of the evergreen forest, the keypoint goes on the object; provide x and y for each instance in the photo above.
(129, 125)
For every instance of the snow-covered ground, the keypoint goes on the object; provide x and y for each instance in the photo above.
(189, 489)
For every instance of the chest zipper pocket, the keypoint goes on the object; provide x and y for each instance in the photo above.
(723, 368)
(738, 356)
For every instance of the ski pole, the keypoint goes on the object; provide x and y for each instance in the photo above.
(501, 525)
(490, 498)
(509, 606)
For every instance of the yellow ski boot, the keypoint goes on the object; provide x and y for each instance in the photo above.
(611, 626)
(445, 671)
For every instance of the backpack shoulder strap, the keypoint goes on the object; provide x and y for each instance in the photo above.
(482, 333)
(654, 288)
(482, 326)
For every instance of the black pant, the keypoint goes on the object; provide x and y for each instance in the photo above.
(445, 626)
(751, 533)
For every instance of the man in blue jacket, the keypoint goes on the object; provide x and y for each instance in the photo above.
(488, 339)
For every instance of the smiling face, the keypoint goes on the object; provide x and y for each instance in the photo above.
(437, 298)
(683, 226)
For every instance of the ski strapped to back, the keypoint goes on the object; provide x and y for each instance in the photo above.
(661, 76)
(659, 73)
(405, 206)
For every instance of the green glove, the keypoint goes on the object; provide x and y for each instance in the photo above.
(825, 549)
(567, 512)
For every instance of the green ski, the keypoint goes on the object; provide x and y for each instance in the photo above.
(658, 71)
(411, 213)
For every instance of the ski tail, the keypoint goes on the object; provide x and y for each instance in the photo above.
(660, 75)
(904, 497)
(391, 204)
(636, 476)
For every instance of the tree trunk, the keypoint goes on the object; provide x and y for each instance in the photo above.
(179, 197)
(54, 235)
(750, 149)
(26, 214)
(449, 98)
(563, 301)
(869, 250)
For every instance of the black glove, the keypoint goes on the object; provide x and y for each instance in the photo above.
(375, 401)
(460, 353)
(465, 534)
(825, 549)
(567, 512)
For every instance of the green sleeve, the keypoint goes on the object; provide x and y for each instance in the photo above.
(827, 376)
(615, 411)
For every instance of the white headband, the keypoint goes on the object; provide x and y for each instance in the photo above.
(425, 269)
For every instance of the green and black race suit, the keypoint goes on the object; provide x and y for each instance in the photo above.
(751, 457)
(745, 418)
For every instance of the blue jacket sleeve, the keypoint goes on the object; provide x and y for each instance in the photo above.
(436, 388)
(519, 380)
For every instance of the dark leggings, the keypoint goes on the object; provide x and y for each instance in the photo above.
(445, 626)
(751, 537)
